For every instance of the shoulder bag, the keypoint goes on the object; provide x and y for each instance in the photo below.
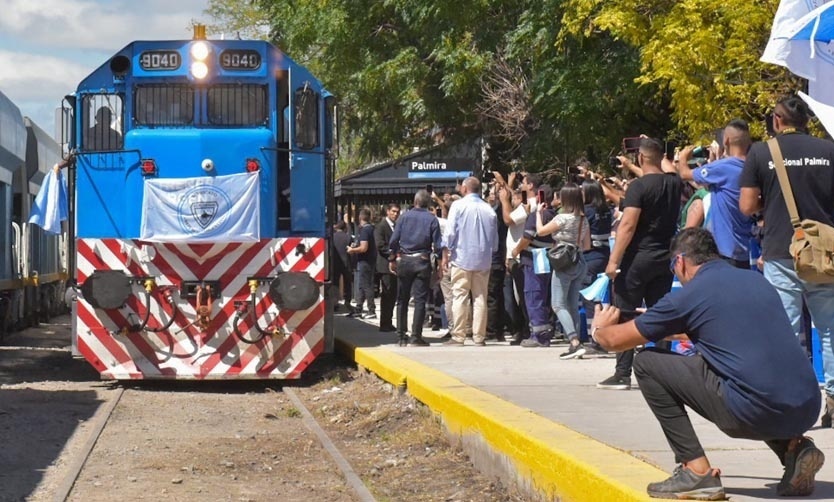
(812, 245)
(565, 255)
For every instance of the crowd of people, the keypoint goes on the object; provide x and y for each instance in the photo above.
(508, 256)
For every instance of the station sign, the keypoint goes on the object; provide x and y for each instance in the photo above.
(440, 168)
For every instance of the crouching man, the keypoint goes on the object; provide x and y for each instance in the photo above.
(750, 376)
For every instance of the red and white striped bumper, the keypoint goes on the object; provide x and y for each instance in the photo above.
(189, 349)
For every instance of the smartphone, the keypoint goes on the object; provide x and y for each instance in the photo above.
(614, 162)
(631, 144)
(541, 197)
(524, 196)
(430, 189)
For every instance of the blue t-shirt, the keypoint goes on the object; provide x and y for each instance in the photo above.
(730, 227)
(366, 233)
(736, 322)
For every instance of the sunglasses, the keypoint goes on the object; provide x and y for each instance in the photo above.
(674, 260)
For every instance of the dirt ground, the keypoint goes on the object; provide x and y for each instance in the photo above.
(238, 441)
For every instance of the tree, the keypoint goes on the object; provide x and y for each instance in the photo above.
(703, 53)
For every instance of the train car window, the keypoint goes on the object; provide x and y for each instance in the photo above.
(102, 117)
(164, 105)
(306, 118)
(238, 105)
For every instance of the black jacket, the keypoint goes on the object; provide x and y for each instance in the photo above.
(382, 236)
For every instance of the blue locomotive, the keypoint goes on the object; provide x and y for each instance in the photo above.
(198, 187)
(33, 267)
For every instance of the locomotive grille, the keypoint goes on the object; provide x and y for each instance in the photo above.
(238, 105)
(164, 105)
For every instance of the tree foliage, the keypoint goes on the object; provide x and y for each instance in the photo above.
(704, 53)
(544, 81)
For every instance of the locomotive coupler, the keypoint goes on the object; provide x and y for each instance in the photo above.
(204, 309)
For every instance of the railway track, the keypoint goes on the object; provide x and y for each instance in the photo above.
(339, 435)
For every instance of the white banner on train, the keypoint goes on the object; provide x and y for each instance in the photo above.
(204, 209)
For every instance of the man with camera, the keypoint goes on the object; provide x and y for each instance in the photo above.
(770, 394)
(731, 228)
(638, 263)
(809, 163)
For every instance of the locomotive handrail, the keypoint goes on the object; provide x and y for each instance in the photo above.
(19, 262)
(290, 150)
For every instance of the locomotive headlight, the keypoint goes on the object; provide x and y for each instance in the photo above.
(199, 51)
(199, 70)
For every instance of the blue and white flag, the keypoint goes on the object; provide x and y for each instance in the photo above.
(51, 204)
(598, 290)
(541, 264)
(204, 209)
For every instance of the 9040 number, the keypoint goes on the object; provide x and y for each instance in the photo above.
(240, 60)
(160, 60)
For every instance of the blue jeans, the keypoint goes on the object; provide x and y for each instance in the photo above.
(564, 296)
(363, 277)
(820, 301)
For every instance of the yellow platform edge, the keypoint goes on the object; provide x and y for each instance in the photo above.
(558, 462)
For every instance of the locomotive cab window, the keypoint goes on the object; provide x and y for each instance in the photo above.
(102, 117)
(238, 105)
(306, 118)
(164, 105)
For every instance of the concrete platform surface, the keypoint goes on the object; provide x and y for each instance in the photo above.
(534, 404)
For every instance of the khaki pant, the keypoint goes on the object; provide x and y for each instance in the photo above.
(446, 289)
(463, 283)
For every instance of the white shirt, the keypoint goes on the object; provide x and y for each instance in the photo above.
(515, 231)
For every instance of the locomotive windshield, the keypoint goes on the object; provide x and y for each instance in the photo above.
(238, 105)
(164, 105)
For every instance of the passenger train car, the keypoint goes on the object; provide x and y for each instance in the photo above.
(199, 176)
(33, 266)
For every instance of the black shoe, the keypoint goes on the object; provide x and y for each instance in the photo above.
(686, 484)
(353, 314)
(403, 340)
(516, 339)
(447, 336)
(802, 462)
(387, 329)
(417, 342)
(615, 383)
(574, 352)
(594, 350)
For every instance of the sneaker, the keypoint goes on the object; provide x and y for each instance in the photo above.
(480, 344)
(594, 351)
(369, 315)
(574, 352)
(535, 341)
(686, 484)
(417, 342)
(615, 383)
(802, 462)
(452, 343)
(353, 314)
(446, 336)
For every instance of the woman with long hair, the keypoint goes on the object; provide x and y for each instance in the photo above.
(569, 226)
(600, 219)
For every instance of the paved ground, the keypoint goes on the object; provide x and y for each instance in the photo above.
(564, 392)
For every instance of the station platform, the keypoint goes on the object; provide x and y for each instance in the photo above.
(540, 423)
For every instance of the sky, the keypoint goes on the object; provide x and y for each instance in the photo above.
(48, 46)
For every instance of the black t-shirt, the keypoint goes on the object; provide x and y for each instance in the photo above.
(736, 322)
(366, 233)
(658, 196)
(809, 162)
(499, 256)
